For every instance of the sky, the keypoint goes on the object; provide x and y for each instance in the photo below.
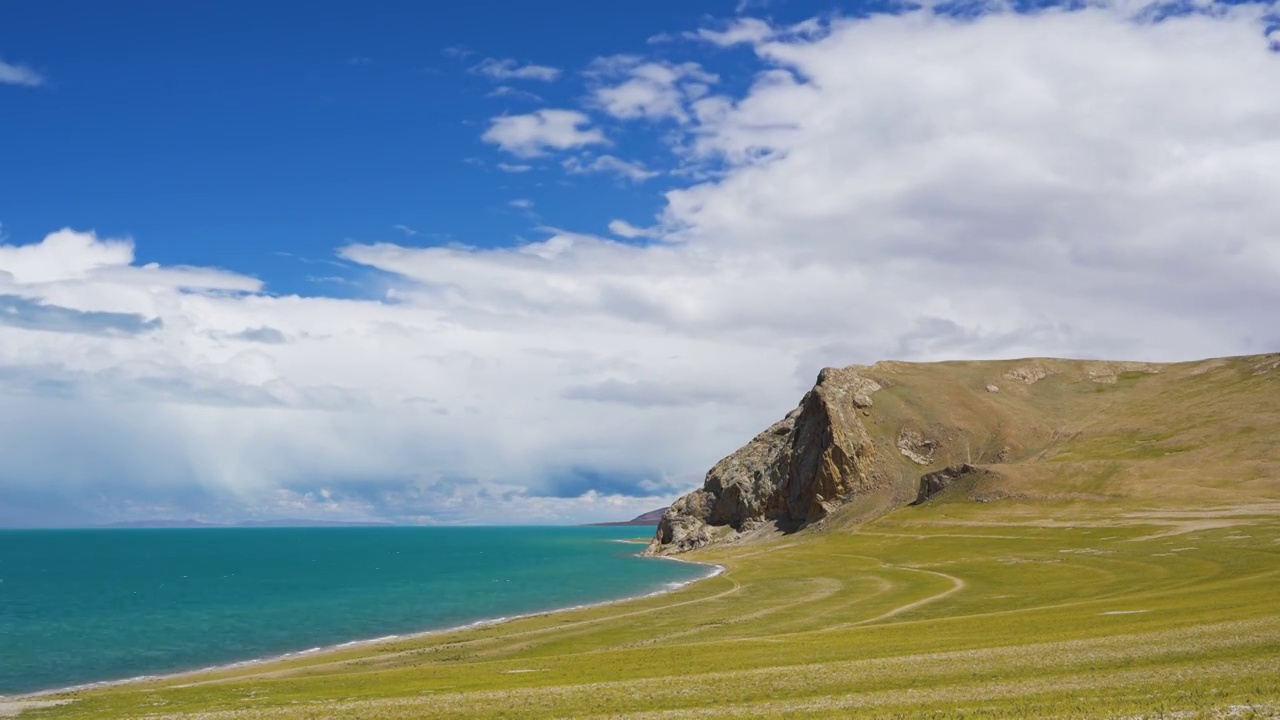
(546, 263)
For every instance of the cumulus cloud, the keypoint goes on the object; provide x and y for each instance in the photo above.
(64, 255)
(624, 229)
(182, 399)
(1082, 183)
(68, 255)
(533, 134)
(630, 88)
(753, 31)
(508, 69)
(12, 74)
(743, 30)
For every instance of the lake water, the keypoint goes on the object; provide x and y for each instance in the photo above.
(80, 606)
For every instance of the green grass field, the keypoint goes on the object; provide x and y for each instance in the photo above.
(1125, 563)
(946, 610)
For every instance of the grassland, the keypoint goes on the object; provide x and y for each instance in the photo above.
(1124, 563)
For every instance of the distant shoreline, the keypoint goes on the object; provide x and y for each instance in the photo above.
(714, 570)
(289, 525)
(624, 523)
(649, 519)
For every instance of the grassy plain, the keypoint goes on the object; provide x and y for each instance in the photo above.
(1125, 563)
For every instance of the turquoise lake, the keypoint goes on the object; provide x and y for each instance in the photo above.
(80, 606)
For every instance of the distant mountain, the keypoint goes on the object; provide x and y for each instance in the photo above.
(313, 523)
(650, 518)
(158, 524)
(244, 524)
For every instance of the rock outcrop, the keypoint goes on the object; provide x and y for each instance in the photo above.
(916, 447)
(1030, 374)
(1266, 364)
(868, 440)
(935, 482)
(792, 474)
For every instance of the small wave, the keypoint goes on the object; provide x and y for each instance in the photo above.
(371, 641)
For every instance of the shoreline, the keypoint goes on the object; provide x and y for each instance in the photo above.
(39, 697)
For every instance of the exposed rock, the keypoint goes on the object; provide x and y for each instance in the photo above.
(861, 388)
(681, 527)
(1266, 364)
(935, 482)
(1109, 372)
(916, 447)
(993, 388)
(792, 474)
(1030, 374)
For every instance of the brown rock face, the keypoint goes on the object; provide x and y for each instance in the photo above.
(792, 474)
(935, 482)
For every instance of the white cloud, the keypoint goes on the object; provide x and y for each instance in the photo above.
(754, 31)
(508, 69)
(405, 229)
(509, 92)
(533, 134)
(521, 204)
(11, 74)
(64, 255)
(1064, 183)
(458, 52)
(629, 88)
(740, 31)
(624, 229)
(633, 171)
(514, 168)
(248, 403)
(67, 255)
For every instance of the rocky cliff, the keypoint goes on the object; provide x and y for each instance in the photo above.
(1007, 430)
(793, 474)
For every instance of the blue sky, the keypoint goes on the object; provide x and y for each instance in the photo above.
(507, 262)
(232, 134)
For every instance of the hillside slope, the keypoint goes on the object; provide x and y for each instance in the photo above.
(868, 439)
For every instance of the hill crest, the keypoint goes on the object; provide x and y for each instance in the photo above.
(868, 439)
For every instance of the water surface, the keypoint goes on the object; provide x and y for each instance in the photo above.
(80, 606)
